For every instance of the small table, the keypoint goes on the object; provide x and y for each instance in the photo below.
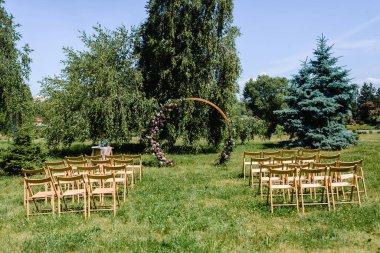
(103, 151)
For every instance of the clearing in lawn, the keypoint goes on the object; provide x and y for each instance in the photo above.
(197, 207)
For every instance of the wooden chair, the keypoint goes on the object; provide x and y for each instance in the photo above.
(308, 152)
(307, 181)
(360, 172)
(289, 152)
(247, 160)
(106, 187)
(78, 190)
(342, 177)
(137, 163)
(283, 184)
(328, 158)
(129, 164)
(255, 169)
(37, 190)
(264, 178)
(101, 163)
(121, 177)
(306, 159)
(37, 173)
(55, 165)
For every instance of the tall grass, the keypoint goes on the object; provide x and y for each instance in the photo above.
(197, 207)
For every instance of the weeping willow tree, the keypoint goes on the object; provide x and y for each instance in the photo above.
(187, 49)
(15, 95)
(98, 94)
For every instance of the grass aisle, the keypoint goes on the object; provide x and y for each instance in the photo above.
(197, 207)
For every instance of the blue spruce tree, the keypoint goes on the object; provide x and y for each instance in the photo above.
(319, 100)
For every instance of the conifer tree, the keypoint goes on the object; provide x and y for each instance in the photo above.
(319, 101)
(187, 49)
(15, 95)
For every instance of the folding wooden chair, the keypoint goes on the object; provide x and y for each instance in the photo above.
(130, 169)
(247, 160)
(360, 173)
(308, 152)
(101, 163)
(137, 163)
(343, 177)
(255, 169)
(328, 158)
(283, 184)
(37, 173)
(307, 181)
(289, 152)
(79, 190)
(37, 190)
(106, 187)
(264, 177)
(121, 177)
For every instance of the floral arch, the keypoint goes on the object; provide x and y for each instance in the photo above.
(158, 121)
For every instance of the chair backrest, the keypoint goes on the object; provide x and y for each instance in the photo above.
(252, 154)
(137, 159)
(289, 152)
(55, 172)
(78, 182)
(283, 160)
(335, 157)
(88, 169)
(340, 170)
(114, 156)
(306, 159)
(59, 164)
(74, 158)
(271, 153)
(284, 174)
(264, 160)
(272, 166)
(297, 166)
(90, 158)
(101, 162)
(358, 163)
(309, 152)
(41, 183)
(123, 162)
(36, 172)
(115, 168)
(324, 165)
(310, 173)
(102, 178)
(76, 163)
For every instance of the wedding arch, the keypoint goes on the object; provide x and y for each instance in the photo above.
(159, 119)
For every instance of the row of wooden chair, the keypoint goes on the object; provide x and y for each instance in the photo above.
(137, 160)
(120, 168)
(247, 156)
(82, 187)
(329, 178)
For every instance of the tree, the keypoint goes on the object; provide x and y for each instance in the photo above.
(366, 100)
(98, 94)
(15, 95)
(187, 49)
(264, 96)
(319, 101)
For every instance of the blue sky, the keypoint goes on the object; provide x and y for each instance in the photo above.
(275, 35)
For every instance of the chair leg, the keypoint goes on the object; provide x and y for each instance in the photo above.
(296, 196)
(271, 200)
(59, 206)
(302, 200)
(333, 198)
(84, 204)
(357, 191)
(327, 197)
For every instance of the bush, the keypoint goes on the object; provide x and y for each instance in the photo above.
(21, 155)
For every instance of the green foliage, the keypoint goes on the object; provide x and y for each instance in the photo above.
(187, 49)
(368, 105)
(264, 96)
(319, 100)
(98, 95)
(21, 155)
(15, 96)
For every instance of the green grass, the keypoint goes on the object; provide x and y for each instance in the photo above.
(197, 207)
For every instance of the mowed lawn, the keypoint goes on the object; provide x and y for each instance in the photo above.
(198, 207)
